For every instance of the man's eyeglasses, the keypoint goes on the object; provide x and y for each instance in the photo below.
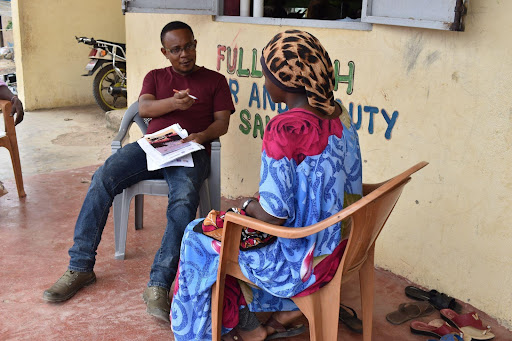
(178, 49)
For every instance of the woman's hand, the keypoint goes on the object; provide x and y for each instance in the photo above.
(254, 209)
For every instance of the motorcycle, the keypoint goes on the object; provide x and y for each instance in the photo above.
(108, 61)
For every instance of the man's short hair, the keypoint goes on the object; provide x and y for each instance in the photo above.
(174, 25)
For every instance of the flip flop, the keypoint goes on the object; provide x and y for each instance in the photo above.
(470, 324)
(350, 319)
(436, 328)
(449, 337)
(409, 311)
(434, 297)
(282, 331)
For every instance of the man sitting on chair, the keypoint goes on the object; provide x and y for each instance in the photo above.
(205, 118)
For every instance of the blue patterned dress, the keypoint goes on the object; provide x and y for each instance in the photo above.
(310, 170)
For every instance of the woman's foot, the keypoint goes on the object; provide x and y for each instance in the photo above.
(278, 325)
(275, 327)
(258, 334)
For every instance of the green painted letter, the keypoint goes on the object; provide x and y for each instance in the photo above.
(245, 117)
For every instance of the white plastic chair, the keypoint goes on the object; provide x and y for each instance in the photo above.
(209, 194)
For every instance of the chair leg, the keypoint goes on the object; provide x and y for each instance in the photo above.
(205, 205)
(367, 286)
(16, 166)
(139, 211)
(121, 211)
(322, 312)
(217, 308)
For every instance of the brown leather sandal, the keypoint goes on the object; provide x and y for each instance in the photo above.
(232, 335)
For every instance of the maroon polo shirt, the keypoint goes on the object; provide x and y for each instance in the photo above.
(210, 87)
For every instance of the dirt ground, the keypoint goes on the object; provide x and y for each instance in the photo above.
(7, 66)
(58, 139)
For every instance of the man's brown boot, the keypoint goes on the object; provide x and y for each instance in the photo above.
(68, 285)
(157, 302)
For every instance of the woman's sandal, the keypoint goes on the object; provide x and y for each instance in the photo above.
(436, 328)
(282, 331)
(434, 297)
(349, 317)
(470, 324)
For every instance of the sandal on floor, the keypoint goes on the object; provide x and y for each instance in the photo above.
(470, 324)
(282, 331)
(232, 335)
(434, 297)
(409, 311)
(436, 328)
(349, 317)
(449, 337)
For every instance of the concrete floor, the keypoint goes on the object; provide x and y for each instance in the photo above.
(60, 149)
(59, 139)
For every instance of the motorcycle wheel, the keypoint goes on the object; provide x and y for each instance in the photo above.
(105, 78)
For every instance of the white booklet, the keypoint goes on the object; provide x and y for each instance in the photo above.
(165, 148)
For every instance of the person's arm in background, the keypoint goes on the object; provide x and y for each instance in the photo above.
(17, 106)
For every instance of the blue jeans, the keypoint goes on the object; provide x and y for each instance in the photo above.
(121, 170)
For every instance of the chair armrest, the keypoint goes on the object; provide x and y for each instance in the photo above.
(131, 115)
(368, 188)
(300, 232)
(215, 144)
(284, 231)
(8, 119)
(214, 177)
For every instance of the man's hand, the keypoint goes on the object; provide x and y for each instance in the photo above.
(182, 100)
(196, 137)
(17, 108)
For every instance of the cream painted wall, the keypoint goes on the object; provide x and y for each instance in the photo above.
(49, 61)
(452, 90)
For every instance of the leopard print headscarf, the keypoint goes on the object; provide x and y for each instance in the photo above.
(297, 62)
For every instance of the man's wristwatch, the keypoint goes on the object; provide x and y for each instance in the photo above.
(246, 203)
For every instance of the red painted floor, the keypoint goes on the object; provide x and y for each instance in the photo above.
(36, 233)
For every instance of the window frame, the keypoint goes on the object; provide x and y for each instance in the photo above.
(171, 6)
(434, 22)
(368, 18)
(351, 25)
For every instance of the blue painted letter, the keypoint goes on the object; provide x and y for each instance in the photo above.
(372, 111)
(255, 96)
(390, 121)
(234, 91)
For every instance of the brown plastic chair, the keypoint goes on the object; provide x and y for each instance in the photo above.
(368, 215)
(9, 141)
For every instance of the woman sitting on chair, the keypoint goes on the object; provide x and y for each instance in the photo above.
(310, 170)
